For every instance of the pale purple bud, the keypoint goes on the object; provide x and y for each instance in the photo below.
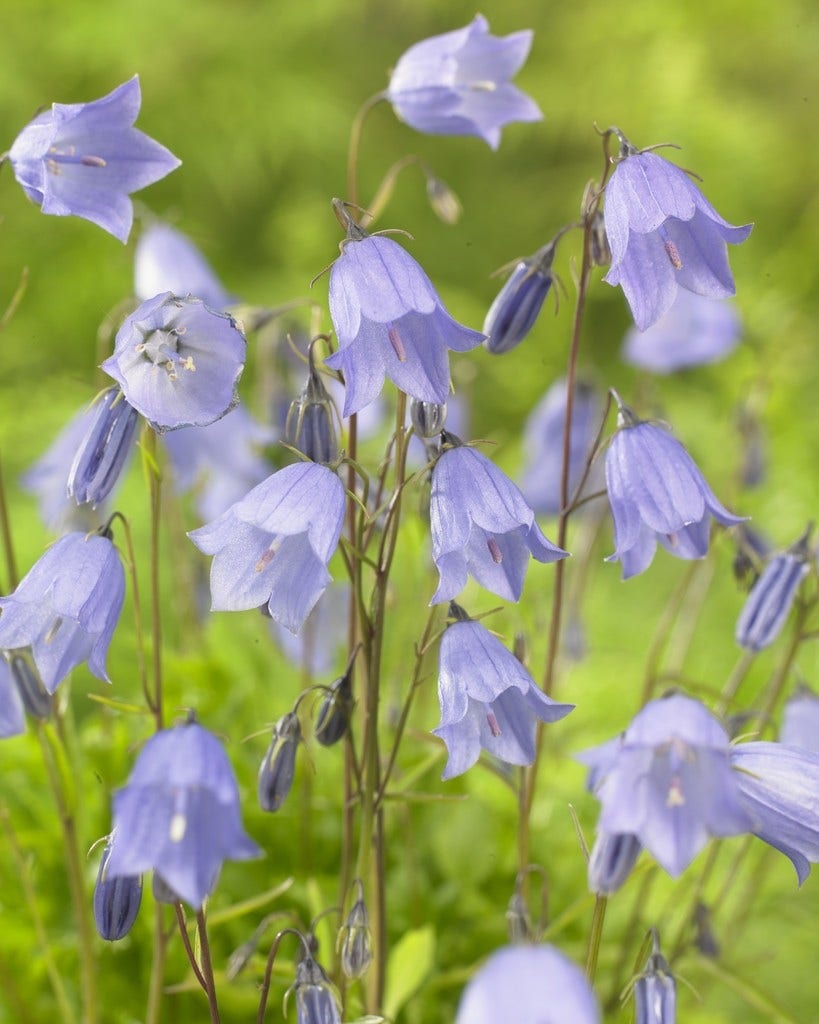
(279, 763)
(102, 453)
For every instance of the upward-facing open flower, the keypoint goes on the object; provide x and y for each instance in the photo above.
(84, 159)
(668, 781)
(273, 546)
(178, 814)
(663, 234)
(165, 260)
(66, 607)
(528, 985)
(488, 699)
(459, 83)
(390, 321)
(657, 493)
(481, 526)
(178, 362)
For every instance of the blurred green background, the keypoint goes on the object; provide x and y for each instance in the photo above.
(257, 98)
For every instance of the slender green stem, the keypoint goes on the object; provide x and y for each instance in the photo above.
(157, 967)
(155, 493)
(662, 632)
(595, 935)
(733, 682)
(354, 150)
(207, 967)
(139, 630)
(5, 530)
(182, 924)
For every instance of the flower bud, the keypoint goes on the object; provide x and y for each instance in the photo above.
(428, 418)
(104, 449)
(518, 921)
(279, 764)
(309, 425)
(354, 939)
(598, 241)
(36, 699)
(612, 858)
(334, 713)
(316, 999)
(445, 204)
(517, 305)
(655, 992)
(116, 900)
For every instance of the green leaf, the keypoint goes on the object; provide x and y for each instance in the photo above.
(410, 962)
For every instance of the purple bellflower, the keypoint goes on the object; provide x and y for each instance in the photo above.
(273, 546)
(668, 781)
(47, 478)
(66, 607)
(779, 786)
(84, 159)
(178, 814)
(528, 985)
(165, 260)
(517, 305)
(12, 711)
(221, 461)
(543, 445)
(800, 721)
(389, 321)
(655, 991)
(104, 450)
(459, 83)
(488, 699)
(481, 525)
(696, 330)
(116, 900)
(663, 234)
(178, 362)
(769, 603)
(317, 1001)
(657, 493)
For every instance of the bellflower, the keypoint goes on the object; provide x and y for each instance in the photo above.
(66, 607)
(316, 999)
(104, 450)
(528, 985)
(390, 321)
(165, 260)
(779, 786)
(178, 362)
(769, 603)
(517, 305)
(668, 781)
(800, 721)
(12, 712)
(221, 461)
(488, 699)
(657, 493)
(84, 159)
(543, 446)
(116, 900)
(481, 525)
(273, 546)
(178, 814)
(459, 83)
(696, 330)
(612, 858)
(655, 991)
(663, 234)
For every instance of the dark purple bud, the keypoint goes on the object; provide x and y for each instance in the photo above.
(752, 550)
(598, 241)
(704, 938)
(428, 418)
(335, 711)
(355, 940)
(655, 992)
(316, 999)
(767, 606)
(309, 425)
(104, 450)
(36, 699)
(517, 305)
(116, 900)
(612, 858)
(279, 764)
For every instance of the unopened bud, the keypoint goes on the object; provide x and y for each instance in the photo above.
(517, 305)
(279, 764)
(309, 426)
(655, 991)
(518, 921)
(612, 858)
(316, 999)
(334, 713)
(428, 418)
(444, 202)
(355, 940)
(599, 248)
(116, 900)
(36, 698)
(104, 450)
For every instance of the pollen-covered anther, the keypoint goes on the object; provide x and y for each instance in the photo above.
(268, 556)
(673, 254)
(397, 344)
(494, 550)
(492, 721)
(675, 797)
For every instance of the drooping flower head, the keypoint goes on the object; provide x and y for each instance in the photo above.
(165, 260)
(657, 493)
(273, 546)
(696, 330)
(663, 234)
(178, 814)
(66, 607)
(528, 985)
(116, 900)
(178, 362)
(389, 321)
(517, 305)
(84, 159)
(655, 991)
(668, 781)
(543, 446)
(481, 526)
(459, 83)
(769, 603)
(488, 699)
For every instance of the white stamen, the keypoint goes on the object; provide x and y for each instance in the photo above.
(494, 728)
(494, 550)
(673, 254)
(178, 827)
